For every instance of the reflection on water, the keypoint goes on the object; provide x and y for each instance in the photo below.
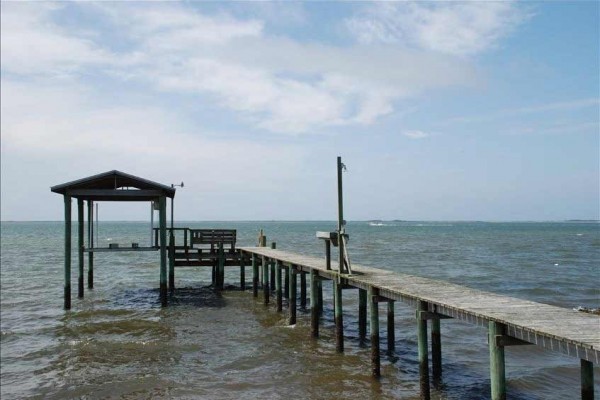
(118, 342)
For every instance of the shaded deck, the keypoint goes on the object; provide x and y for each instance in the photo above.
(558, 329)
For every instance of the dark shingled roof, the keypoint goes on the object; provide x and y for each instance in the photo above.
(109, 186)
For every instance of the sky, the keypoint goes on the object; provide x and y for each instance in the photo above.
(444, 110)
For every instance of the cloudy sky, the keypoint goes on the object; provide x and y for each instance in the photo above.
(441, 111)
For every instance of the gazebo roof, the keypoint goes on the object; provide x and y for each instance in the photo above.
(114, 186)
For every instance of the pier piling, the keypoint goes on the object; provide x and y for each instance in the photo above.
(362, 315)
(171, 262)
(314, 307)
(391, 329)
(587, 380)
(339, 318)
(374, 327)
(266, 286)
(254, 276)
(292, 295)
(436, 351)
(497, 369)
(278, 290)
(163, 249)
(303, 290)
(242, 273)
(423, 351)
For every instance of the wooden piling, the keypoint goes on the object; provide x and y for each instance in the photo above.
(254, 276)
(314, 307)
(162, 202)
(67, 289)
(374, 327)
(278, 290)
(286, 285)
(587, 380)
(242, 272)
(172, 262)
(320, 295)
(80, 246)
(328, 254)
(90, 220)
(338, 315)
(423, 351)
(391, 328)
(272, 268)
(266, 286)
(497, 369)
(221, 268)
(292, 295)
(436, 351)
(362, 315)
(303, 290)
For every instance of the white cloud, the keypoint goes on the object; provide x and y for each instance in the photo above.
(32, 43)
(459, 28)
(415, 134)
(274, 83)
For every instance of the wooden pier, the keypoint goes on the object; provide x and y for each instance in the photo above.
(510, 321)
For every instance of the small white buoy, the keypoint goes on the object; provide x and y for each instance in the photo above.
(556, 265)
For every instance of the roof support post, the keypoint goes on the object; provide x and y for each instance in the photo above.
(67, 291)
(80, 246)
(162, 205)
(90, 218)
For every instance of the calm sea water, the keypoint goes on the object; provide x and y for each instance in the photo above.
(119, 343)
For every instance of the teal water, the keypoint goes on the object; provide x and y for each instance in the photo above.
(119, 343)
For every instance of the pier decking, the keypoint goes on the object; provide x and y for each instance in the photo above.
(510, 321)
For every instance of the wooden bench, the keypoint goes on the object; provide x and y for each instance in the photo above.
(214, 238)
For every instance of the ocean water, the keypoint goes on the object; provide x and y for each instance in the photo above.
(118, 342)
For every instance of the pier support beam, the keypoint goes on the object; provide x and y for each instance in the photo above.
(286, 284)
(374, 327)
(423, 352)
(278, 290)
(67, 291)
(362, 315)
(587, 380)
(314, 307)
(254, 275)
(320, 295)
(242, 272)
(436, 351)
(90, 218)
(272, 280)
(162, 205)
(303, 290)
(221, 268)
(339, 316)
(266, 286)
(292, 294)
(391, 328)
(497, 370)
(80, 247)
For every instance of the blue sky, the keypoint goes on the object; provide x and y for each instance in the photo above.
(440, 110)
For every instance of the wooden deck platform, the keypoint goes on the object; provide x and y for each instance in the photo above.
(554, 328)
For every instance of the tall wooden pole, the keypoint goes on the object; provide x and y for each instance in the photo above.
(90, 244)
(67, 291)
(340, 215)
(80, 246)
(163, 249)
